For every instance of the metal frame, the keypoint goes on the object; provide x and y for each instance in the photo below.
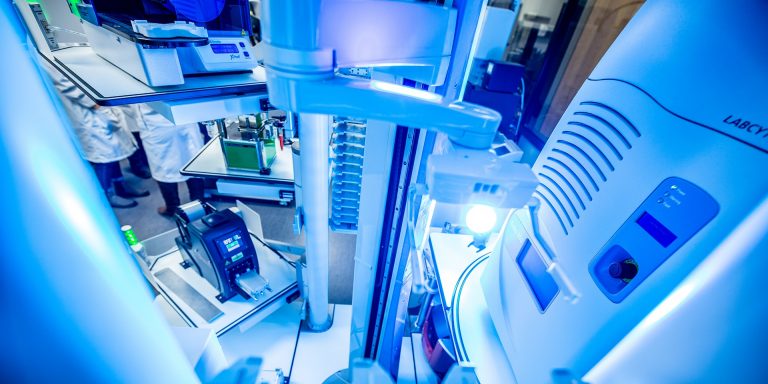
(385, 335)
(376, 175)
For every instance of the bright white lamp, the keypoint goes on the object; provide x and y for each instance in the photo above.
(480, 218)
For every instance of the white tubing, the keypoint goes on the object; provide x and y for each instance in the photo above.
(313, 135)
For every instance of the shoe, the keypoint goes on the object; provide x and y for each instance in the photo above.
(142, 172)
(165, 211)
(120, 202)
(123, 189)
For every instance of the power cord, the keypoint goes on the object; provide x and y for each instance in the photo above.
(161, 256)
(279, 254)
(522, 105)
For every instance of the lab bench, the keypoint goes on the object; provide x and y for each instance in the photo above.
(276, 186)
(282, 342)
(108, 85)
(205, 97)
(270, 328)
(194, 299)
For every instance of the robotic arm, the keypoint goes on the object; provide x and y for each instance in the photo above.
(305, 41)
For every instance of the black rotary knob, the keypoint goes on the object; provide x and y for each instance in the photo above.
(625, 270)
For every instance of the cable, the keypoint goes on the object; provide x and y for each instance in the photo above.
(456, 303)
(172, 250)
(279, 254)
(426, 275)
(522, 105)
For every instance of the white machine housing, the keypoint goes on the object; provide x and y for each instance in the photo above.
(494, 177)
(167, 66)
(661, 104)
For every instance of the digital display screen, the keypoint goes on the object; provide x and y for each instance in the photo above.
(501, 151)
(656, 229)
(230, 244)
(224, 48)
(543, 286)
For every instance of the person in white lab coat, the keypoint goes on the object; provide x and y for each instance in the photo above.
(103, 137)
(139, 165)
(169, 147)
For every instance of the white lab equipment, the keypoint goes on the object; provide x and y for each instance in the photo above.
(488, 177)
(649, 211)
(82, 300)
(304, 42)
(160, 43)
(649, 219)
(486, 183)
(393, 104)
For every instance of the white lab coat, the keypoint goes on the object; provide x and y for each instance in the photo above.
(169, 147)
(101, 131)
(132, 117)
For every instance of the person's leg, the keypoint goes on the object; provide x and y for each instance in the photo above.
(170, 192)
(105, 173)
(138, 160)
(204, 132)
(122, 188)
(196, 188)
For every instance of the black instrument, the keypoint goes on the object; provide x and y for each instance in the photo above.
(217, 245)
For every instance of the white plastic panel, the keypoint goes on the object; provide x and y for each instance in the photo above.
(576, 335)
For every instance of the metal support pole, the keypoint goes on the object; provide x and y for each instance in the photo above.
(315, 178)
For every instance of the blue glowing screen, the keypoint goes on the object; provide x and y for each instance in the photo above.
(656, 229)
(224, 48)
(543, 286)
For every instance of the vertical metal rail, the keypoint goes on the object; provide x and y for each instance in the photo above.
(402, 163)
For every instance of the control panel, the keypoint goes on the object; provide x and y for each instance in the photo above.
(222, 54)
(673, 213)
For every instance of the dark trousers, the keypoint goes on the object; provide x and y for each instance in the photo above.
(138, 159)
(170, 192)
(106, 173)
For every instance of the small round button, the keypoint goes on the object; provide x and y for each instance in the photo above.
(625, 270)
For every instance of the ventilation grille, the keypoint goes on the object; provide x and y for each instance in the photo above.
(587, 149)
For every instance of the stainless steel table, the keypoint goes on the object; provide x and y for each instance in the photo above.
(277, 186)
(109, 85)
(164, 254)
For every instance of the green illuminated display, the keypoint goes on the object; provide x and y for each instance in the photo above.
(73, 7)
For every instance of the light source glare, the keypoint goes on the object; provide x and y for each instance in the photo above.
(405, 91)
(480, 218)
